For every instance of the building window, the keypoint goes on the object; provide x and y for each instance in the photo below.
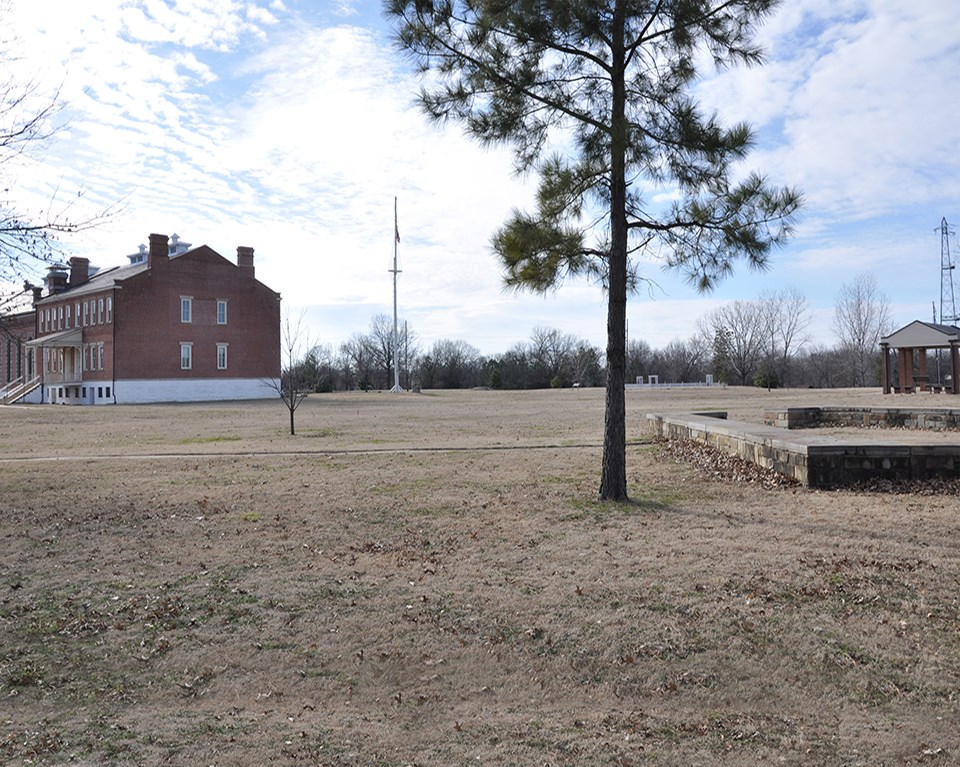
(221, 312)
(46, 321)
(76, 313)
(186, 309)
(221, 356)
(186, 356)
(109, 309)
(86, 313)
(85, 358)
(60, 317)
(68, 317)
(100, 356)
(100, 311)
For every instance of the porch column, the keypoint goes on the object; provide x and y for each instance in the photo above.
(885, 352)
(906, 370)
(923, 380)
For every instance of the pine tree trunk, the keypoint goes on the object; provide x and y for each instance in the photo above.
(613, 480)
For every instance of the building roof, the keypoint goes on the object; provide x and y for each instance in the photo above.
(72, 337)
(102, 280)
(922, 335)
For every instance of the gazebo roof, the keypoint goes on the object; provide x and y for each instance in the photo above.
(922, 335)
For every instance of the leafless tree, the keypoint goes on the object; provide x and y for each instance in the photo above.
(360, 356)
(27, 126)
(861, 318)
(371, 356)
(737, 332)
(451, 364)
(297, 371)
(380, 344)
(639, 359)
(785, 315)
(550, 352)
(586, 364)
(682, 361)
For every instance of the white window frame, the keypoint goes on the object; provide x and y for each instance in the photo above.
(221, 317)
(100, 356)
(109, 309)
(86, 313)
(186, 355)
(67, 318)
(222, 356)
(186, 309)
(100, 311)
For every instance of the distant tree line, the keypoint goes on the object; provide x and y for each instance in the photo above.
(763, 342)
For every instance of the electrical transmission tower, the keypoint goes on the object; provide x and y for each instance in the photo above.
(948, 310)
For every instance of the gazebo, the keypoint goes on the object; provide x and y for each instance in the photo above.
(919, 337)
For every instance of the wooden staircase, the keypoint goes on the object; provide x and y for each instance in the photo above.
(17, 389)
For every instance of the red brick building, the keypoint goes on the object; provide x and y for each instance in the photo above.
(177, 324)
(16, 360)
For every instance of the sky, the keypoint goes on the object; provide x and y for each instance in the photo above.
(291, 126)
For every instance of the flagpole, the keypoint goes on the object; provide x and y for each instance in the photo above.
(395, 271)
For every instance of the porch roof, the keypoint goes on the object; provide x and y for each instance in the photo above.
(65, 338)
(922, 335)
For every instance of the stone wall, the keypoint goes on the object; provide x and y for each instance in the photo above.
(932, 419)
(812, 459)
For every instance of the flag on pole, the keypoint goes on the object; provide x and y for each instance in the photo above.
(396, 229)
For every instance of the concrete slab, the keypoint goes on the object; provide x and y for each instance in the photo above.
(813, 459)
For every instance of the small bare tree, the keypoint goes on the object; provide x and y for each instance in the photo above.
(297, 373)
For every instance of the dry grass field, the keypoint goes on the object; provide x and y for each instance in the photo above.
(428, 580)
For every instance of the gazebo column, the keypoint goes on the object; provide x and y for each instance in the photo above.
(906, 370)
(923, 380)
(885, 359)
(954, 365)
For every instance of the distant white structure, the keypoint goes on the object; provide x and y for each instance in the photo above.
(653, 381)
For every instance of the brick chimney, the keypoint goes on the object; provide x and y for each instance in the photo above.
(79, 270)
(245, 258)
(159, 251)
(56, 279)
(37, 292)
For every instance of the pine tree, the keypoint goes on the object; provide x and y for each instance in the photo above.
(595, 97)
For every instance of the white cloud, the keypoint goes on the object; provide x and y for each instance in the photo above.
(235, 122)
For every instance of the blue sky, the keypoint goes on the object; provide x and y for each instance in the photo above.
(290, 127)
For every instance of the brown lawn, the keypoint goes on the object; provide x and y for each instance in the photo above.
(428, 580)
